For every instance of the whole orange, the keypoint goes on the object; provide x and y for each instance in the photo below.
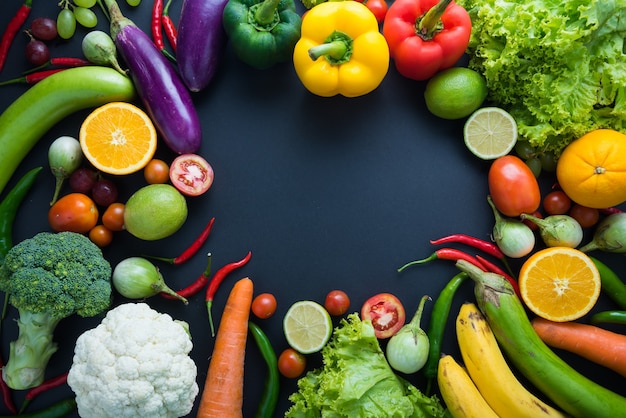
(592, 169)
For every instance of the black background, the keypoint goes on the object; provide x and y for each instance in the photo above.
(327, 193)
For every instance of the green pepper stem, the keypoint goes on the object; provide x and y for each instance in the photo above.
(431, 257)
(430, 23)
(264, 15)
(335, 50)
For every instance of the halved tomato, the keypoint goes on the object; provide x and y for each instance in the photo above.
(191, 174)
(386, 313)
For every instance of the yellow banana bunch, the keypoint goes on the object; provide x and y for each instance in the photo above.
(459, 392)
(490, 372)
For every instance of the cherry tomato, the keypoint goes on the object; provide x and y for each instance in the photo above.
(191, 174)
(531, 224)
(386, 313)
(75, 212)
(378, 8)
(586, 217)
(291, 364)
(156, 172)
(513, 186)
(113, 216)
(556, 203)
(337, 302)
(101, 235)
(264, 305)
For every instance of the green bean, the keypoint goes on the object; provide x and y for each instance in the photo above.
(272, 382)
(611, 284)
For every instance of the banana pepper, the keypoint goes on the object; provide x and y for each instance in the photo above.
(341, 50)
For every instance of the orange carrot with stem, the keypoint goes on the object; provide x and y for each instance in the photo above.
(598, 345)
(222, 395)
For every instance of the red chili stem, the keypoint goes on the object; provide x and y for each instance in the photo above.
(12, 28)
(480, 244)
(217, 280)
(38, 390)
(446, 254)
(60, 62)
(494, 268)
(192, 249)
(32, 78)
(7, 395)
(168, 26)
(196, 286)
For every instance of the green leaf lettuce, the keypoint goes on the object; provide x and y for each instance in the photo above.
(356, 381)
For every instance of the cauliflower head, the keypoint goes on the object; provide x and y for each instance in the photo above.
(135, 363)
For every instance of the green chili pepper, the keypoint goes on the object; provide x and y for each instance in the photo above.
(9, 207)
(437, 326)
(611, 284)
(611, 317)
(57, 410)
(272, 382)
(262, 33)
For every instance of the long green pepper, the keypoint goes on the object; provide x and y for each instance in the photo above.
(611, 284)
(271, 389)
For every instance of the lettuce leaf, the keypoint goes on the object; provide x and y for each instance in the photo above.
(356, 381)
(557, 66)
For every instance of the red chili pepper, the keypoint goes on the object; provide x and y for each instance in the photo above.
(12, 28)
(196, 286)
(168, 26)
(426, 36)
(610, 211)
(217, 279)
(446, 254)
(47, 385)
(494, 268)
(60, 62)
(7, 396)
(155, 27)
(33, 77)
(480, 244)
(192, 249)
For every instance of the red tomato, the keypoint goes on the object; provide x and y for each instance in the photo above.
(291, 364)
(113, 216)
(530, 223)
(378, 8)
(586, 217)
(264, 305)
(191, 174)
(156, 172)
(556, 203)
(337, 302)
(386, 313)
(74, 212)
(101, 235)
(513, 186)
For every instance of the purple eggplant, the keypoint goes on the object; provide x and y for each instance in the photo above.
(201, 41)
(164, 95)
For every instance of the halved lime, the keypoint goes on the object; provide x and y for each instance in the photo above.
(490, 132)
(307, 326)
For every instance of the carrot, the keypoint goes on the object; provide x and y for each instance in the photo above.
(222, 395)
(598, 345)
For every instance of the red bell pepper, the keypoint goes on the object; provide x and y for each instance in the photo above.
(426, 36)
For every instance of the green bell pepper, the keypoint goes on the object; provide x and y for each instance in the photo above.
(262, 33)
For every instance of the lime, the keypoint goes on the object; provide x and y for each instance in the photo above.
(490, 132)
(455, 93)
(155, 211)
(307, 326)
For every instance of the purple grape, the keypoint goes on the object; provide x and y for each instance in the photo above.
(37, 52)
(44, 28)
(82, 180)
(104, 192)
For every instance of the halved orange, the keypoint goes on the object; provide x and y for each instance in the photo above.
(559, 283)
(118, 138)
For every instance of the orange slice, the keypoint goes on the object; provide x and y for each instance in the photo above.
(559, 283)
(118, 138)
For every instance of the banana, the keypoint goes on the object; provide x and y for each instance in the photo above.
(459, 392)
(490, 372)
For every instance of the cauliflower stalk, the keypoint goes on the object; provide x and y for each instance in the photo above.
(135, 363)
(49, 277)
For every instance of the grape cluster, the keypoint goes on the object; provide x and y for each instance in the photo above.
(75, 12)
(41, 30)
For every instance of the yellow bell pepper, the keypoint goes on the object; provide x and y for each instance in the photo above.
(341, 50)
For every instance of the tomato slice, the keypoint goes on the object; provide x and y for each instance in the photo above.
(191, 174)
(386, 313)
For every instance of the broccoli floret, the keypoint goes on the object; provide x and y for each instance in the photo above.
(49, 277)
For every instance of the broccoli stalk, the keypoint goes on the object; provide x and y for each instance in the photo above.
(49, 277)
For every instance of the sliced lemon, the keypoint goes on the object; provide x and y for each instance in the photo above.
(490, 132)
(307, 326)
